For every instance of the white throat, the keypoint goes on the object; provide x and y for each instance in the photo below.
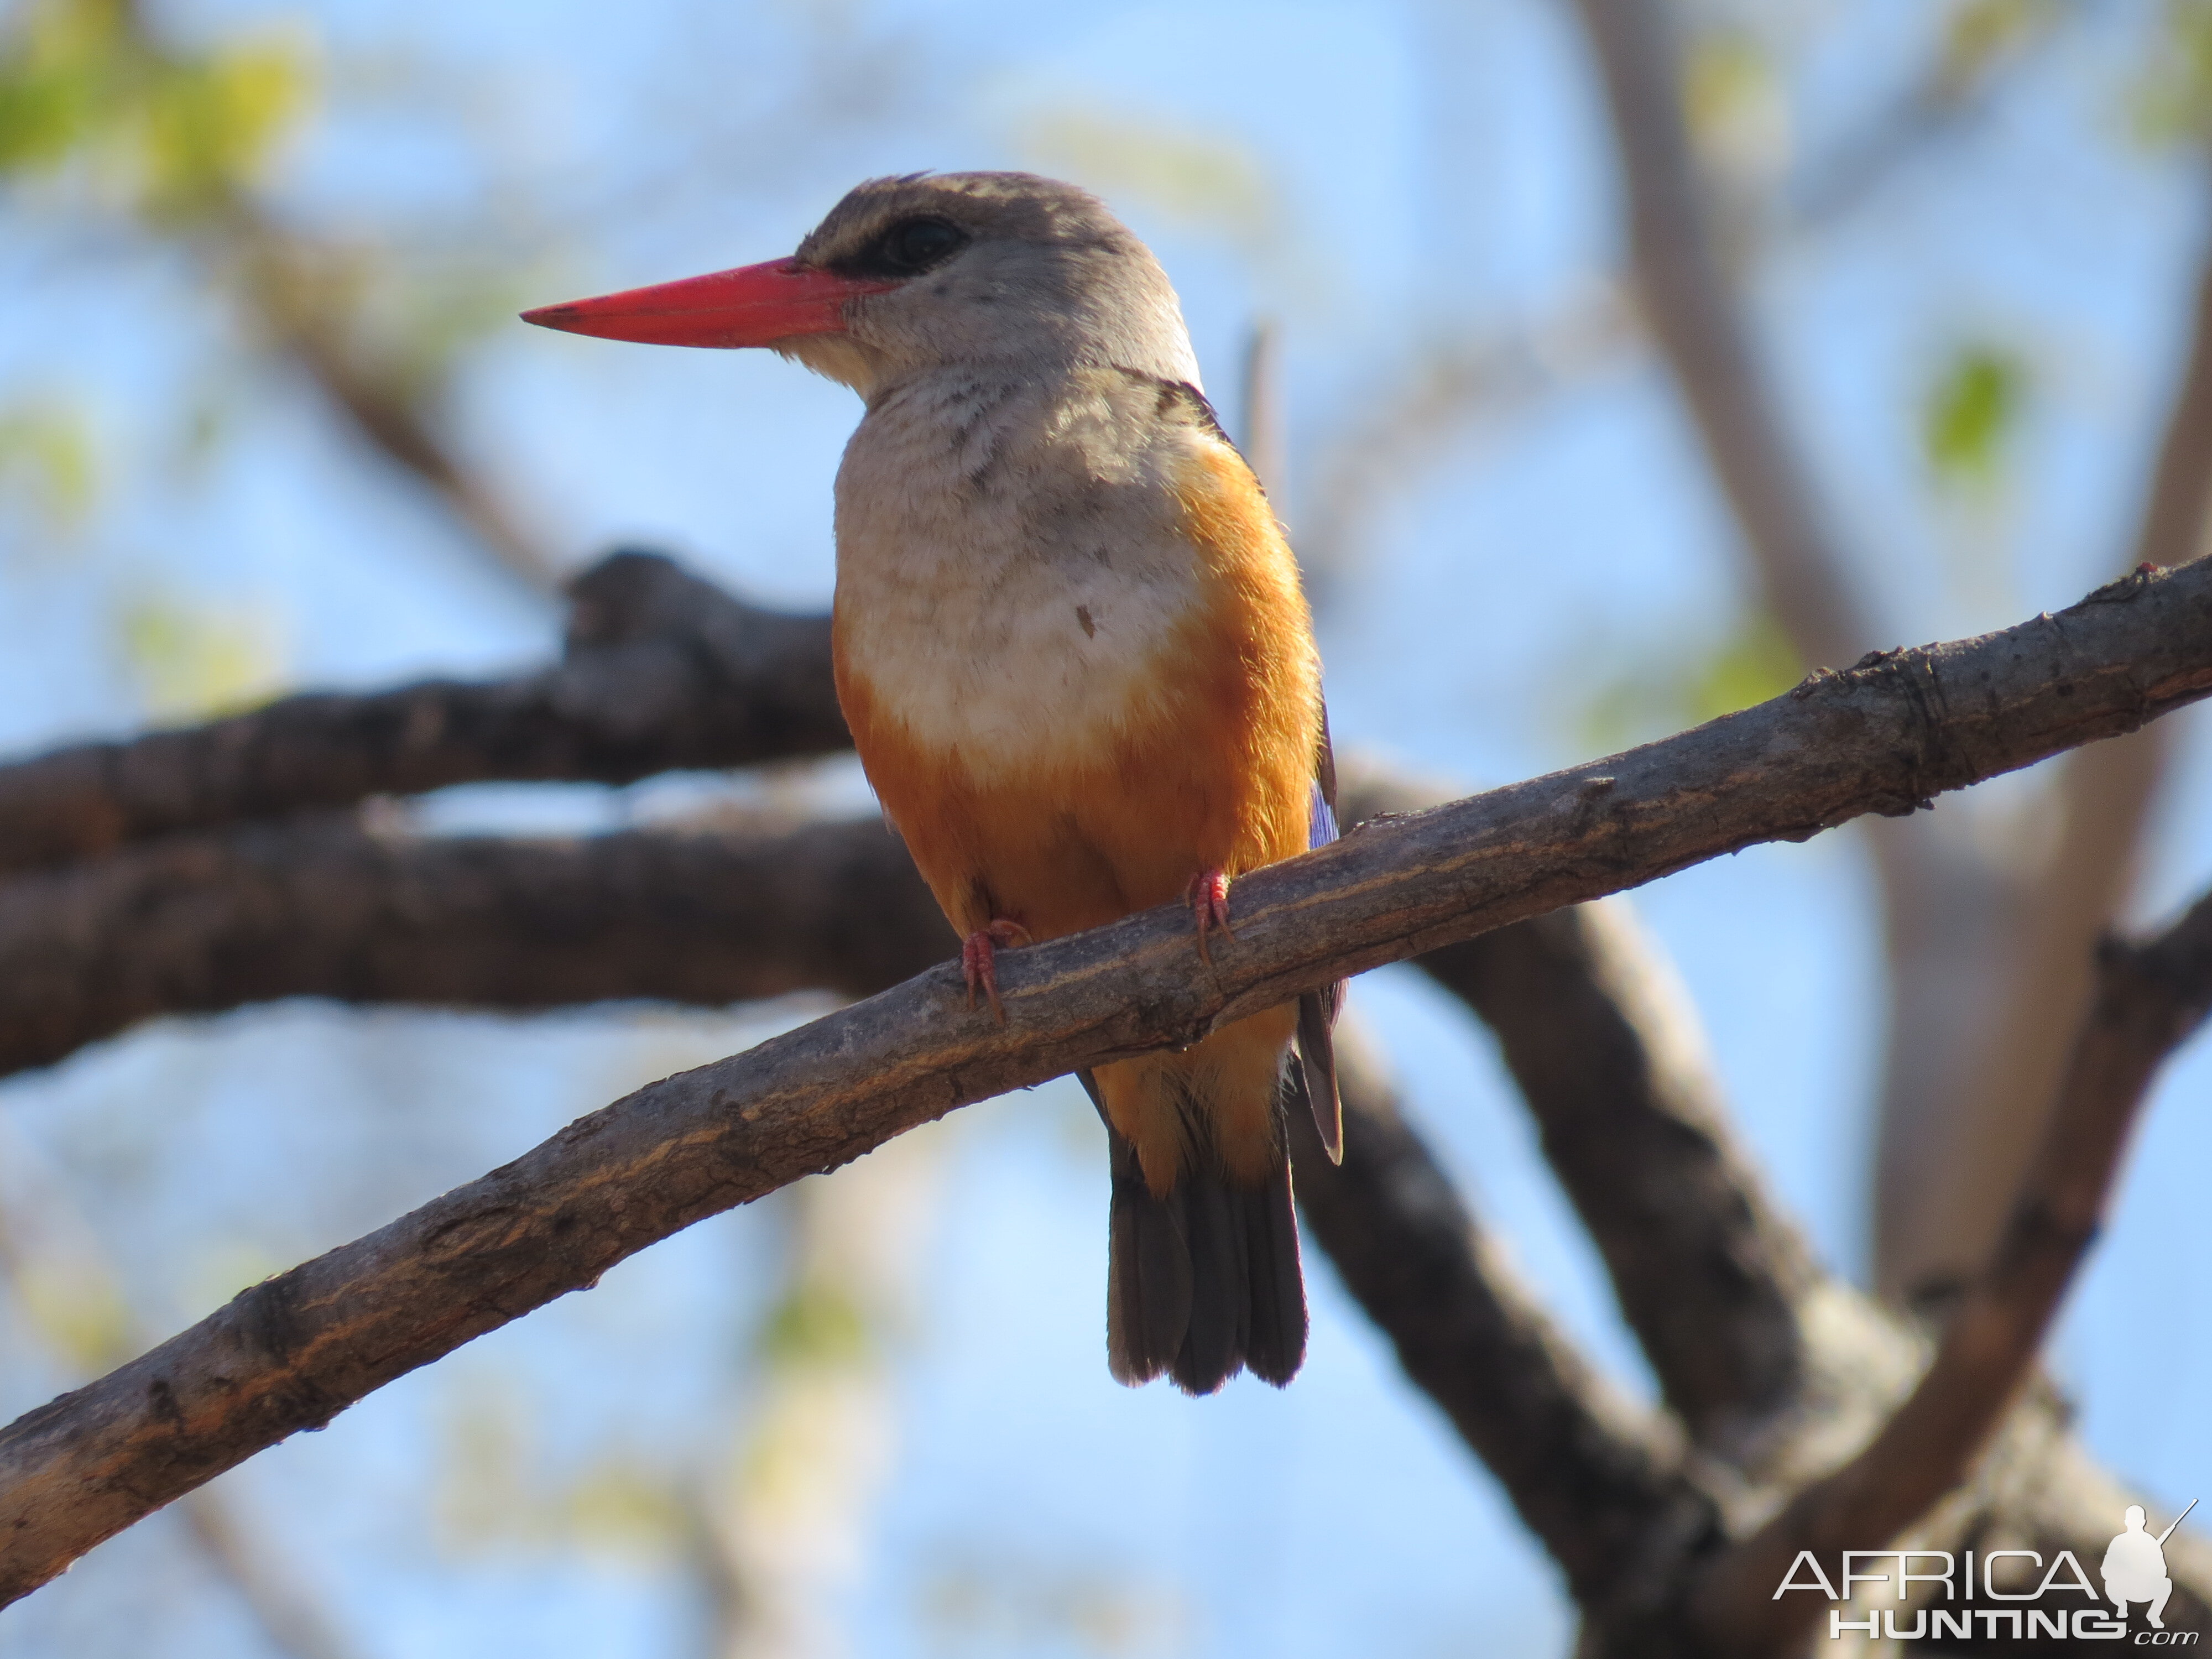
(1009, 567)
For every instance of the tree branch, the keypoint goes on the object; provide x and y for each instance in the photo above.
(326, 908)
(1595, 1477)
(203, 923)
(1709, 1278)
(661, 671)
(291, 1352)
(2150, 999)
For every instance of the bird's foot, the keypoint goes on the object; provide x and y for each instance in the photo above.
(1208, 893)
(978, 965)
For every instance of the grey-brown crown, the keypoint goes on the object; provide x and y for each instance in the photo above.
(1021, 207)
(1028, 274)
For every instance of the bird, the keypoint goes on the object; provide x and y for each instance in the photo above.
(1079, 666)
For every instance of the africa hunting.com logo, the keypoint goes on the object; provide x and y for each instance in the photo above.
(2133, 1570)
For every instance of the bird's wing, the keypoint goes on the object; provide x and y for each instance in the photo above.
(1315, 1074)
(1317, 1010)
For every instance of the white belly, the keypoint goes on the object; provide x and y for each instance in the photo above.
(1012, 608)
(1011, 673)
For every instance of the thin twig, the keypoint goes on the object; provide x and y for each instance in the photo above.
(1955, 91)
(1265, 438)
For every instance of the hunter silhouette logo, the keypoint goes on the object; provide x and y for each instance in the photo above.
(2134, 1571)
(2135, 1566)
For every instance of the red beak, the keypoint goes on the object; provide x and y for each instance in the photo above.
(751, 306)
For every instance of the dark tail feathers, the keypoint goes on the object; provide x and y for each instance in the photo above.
(1205, 1282)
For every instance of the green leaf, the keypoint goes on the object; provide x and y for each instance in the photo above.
(209, 126)
(178, 135)
(1752, 664)
(817, 1324)
(1972, 414)
(193, 661)
(59, 67)
(48, 458)
(2172, 96)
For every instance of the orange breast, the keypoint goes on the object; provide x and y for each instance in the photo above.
(1210, 769)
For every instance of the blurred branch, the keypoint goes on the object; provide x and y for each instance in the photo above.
(1595, 1477)
(1976, 998)
(1431, 395)
(2150, 999)
(291, 1352)
(301, 318)
(1444, 384)
(1264, 438)
(661, 671)
(813, 1441)
(186, 132)
(1983, 40)
(283, 280)
(293, 1625)
(1691, 306)
(328, 908)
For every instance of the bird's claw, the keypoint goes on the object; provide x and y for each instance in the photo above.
(978, 963)
(1208, 893)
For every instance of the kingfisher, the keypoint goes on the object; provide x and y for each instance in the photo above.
(1079, 669)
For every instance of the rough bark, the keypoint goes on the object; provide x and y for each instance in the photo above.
(662, 671)
(293, 1351)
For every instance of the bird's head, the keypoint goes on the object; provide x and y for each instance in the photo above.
(907, 275)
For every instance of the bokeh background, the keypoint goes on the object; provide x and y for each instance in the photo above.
(267, 422)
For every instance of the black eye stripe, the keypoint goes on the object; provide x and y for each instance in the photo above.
(906, 249)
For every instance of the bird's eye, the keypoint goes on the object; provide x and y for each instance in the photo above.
(915, 244)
